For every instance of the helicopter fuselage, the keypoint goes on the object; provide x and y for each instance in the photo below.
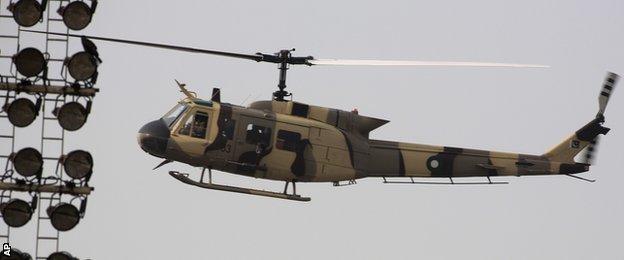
(290, 141)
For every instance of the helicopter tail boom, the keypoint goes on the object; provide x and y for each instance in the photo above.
(396, 159)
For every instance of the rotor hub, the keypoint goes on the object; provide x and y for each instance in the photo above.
(284, 58)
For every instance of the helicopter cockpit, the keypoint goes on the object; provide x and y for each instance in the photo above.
(188, 124)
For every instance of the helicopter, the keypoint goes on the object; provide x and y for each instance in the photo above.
(289, 141)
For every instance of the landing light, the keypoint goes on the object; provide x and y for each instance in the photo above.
(72, 116)
(22, 112)
(16, 254)
(27, 12)
(64, 216)
(61, 256)
(28, 162)
(29, 62)
(77, 15)
(78, 164)
(16, 212)
(82, 66)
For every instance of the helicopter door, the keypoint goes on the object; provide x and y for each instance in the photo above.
(191, 135)
(253, 142)
(289, 154)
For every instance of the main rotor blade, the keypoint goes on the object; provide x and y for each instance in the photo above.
(339, 62)
(308, 60)
(254, 57)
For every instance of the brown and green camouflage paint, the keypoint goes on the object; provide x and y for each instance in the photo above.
(334, 146)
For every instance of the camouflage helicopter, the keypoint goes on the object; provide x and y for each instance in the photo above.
(289, 141)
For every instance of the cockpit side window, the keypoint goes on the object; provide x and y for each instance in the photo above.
(195, 126)
(173, 114)
(200, 125)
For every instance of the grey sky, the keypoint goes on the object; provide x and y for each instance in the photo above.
(139, 214)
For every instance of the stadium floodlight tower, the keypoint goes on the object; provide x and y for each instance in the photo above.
(47, 84)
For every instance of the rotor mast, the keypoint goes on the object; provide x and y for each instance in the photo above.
(284, 58)
(283, 67)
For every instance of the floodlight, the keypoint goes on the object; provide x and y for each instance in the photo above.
(72, 116)
(16, 212)
(78, 164)
(29, 62)
(16, 254)
(22, 112)
(28, 162)
(82, 66)
(27, 12)
(77, 15)
(61, 256)
(64, 216)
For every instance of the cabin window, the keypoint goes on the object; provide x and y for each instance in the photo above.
(287, 140)
(299, 109)
(257, 134)
(195, 126)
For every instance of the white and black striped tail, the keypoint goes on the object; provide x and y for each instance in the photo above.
(607, 90)
(589, 156)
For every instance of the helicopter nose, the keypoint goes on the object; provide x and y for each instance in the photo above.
(153, 138)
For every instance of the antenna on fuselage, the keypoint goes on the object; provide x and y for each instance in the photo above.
(188, 94)
(216, 95)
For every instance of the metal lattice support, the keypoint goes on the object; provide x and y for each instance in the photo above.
(7, 96)
(46, 234)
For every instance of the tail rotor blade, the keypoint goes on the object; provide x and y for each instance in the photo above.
(607, 90)
(591, 151)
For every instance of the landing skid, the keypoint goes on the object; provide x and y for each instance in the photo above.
(183, 178)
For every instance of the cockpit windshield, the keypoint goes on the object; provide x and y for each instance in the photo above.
(174, 113)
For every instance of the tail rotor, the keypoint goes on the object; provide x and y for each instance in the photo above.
(589, 156)
(607, 90)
